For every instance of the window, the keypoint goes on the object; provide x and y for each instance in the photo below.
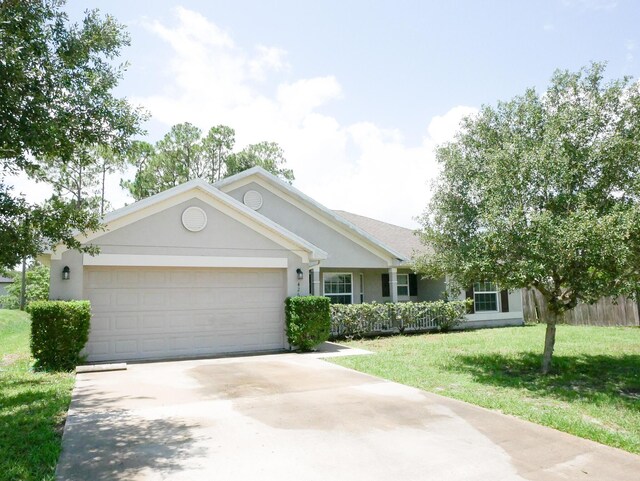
(403, 285)
(407, 285)
(485, 296)
(338, 287)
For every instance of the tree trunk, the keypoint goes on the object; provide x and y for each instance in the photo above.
(23, 285)
(549, 342)
(104, 175)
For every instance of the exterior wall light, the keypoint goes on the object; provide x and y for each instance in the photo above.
(66, 273)
(300, 274)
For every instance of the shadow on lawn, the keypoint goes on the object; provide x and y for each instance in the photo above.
(590, 377)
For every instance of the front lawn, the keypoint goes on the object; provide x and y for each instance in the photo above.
(32, 406)
(593, 391)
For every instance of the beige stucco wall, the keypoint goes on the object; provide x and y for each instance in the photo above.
(163, 234)
(342, 251)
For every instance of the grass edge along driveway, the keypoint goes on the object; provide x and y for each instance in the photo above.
(33, 406)
(593, 391)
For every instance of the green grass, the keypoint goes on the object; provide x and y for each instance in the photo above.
(593, 391)
(33, 406)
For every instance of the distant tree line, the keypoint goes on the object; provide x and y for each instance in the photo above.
(184, 154)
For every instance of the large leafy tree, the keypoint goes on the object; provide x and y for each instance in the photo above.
(55, 95)
(543, 191)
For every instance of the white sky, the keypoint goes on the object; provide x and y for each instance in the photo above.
(357, 94)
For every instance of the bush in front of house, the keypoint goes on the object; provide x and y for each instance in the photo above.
(59, 331)
(358, 320)
(308, 321)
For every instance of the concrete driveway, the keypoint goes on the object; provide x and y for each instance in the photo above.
(292, 417)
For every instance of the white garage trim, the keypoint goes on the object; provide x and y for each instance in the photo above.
(183, 261)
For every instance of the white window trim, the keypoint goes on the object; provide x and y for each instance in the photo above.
(399, 284)
(350, 274)
(497, 294)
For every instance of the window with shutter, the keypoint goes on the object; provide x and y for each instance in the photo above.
(413, 285)
(386, 292)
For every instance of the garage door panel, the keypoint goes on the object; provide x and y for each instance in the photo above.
(149, 313)
(125, 346)
(97, 348)
(124, 322)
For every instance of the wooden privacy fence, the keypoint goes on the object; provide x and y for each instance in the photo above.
(606, 312)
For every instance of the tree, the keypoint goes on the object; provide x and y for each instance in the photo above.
(183, 154)
(543, 191)
(174, 160)
(27, 229)
(140, 155)
(76, 177)
(179, 155)
(109, 161)
(268, 155)
(216, 148)
(37, 287)
(56, 95)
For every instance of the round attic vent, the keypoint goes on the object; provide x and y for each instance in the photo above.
(252, 199)
(194, 219)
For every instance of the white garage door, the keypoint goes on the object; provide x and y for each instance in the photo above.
(153, 313)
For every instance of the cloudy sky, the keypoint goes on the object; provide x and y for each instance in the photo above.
(357, 93)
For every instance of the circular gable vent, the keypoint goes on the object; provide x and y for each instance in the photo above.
(252, 199)
(194, 219)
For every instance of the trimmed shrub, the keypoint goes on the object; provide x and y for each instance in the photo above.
(358, 320)
(59, 331)
(308, 321)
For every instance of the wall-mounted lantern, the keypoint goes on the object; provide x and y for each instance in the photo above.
(300, 274)
(66, 273)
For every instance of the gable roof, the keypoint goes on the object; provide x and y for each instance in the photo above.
(401, 239)
(206, 192)
(244, 177)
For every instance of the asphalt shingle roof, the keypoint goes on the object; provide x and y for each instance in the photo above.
(403, 240)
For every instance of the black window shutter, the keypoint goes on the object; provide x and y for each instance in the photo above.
(469, 295)
(386, 292)
(413, 285)
(504, 300)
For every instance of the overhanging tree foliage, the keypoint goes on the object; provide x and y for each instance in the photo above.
(55, 95)
(543, 191)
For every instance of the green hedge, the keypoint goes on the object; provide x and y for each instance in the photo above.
(59, 331)
(357, 320)
(308, 321)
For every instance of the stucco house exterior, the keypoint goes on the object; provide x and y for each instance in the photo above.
(203, 269)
